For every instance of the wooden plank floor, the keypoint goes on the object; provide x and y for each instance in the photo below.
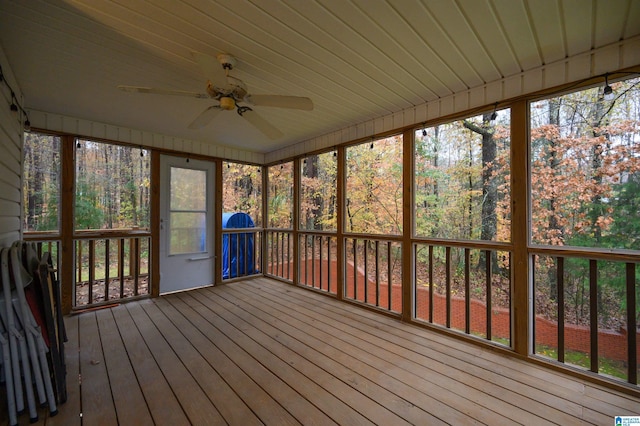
(264, 352)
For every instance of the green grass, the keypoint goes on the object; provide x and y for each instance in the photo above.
(606, 366)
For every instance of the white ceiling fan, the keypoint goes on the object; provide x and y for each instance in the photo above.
(229, 92)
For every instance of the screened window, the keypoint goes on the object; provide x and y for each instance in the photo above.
(585, 169)
(318, 192)
(374, 187)
(242, 190)
(585, 192)
(461, 179)
(41, 183)
(112, 186)
(280, 195)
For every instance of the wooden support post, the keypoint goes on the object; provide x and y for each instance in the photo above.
(154, 243)
(408, 294)
(521, 292)
(67, 196)
(340, 212)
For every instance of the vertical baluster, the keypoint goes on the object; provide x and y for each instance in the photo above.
(560, 299)
(280, 254)
(289, 262)
(136, 265)
(236, 235)
(305, 237)
(313, 261)
(107, 267)
(488, 275)
(131, 257)
(277, 255)
(321, 260)
(389, 280)
(121, 265)
(355, 269)
(377, 252)
(246, 252)
(79, 259)
(329, 264)
(593, 302)
(92, 270)
(430, 283)
(366, 271)
(448, 284)
(467, 289)
(255, 248)
(632, 356)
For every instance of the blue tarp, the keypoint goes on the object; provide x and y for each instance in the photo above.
(237, 249)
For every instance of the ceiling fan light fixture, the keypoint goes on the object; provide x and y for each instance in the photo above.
(227, 103)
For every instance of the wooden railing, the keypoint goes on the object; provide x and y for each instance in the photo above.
(318, 266)
(110, 266)
(586, 309)
(47, 246)
(279, 260)
(373, 274)
(464, 288)
(241, 252)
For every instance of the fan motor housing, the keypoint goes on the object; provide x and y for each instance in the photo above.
(227, 103)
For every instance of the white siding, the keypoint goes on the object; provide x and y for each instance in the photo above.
(10, 161)
(89, 129)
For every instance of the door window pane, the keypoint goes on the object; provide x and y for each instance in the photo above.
(188, 206)
(188, 232)
(188, 189)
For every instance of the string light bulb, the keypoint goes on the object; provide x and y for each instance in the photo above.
(494, 114)
(13, 107)
(607, 91)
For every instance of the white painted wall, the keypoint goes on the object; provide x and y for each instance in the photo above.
(11, 138)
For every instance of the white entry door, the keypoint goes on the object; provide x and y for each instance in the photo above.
(186, 224)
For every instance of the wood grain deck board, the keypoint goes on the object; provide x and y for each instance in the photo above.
(451, 393)
(225, 399)
(265, 352)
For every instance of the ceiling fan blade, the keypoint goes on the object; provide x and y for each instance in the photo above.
(211, 68)
(261, 124)
(136, 89)
(205, 117)
(293, 102)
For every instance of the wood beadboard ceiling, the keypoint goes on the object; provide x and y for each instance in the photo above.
(356, 59)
